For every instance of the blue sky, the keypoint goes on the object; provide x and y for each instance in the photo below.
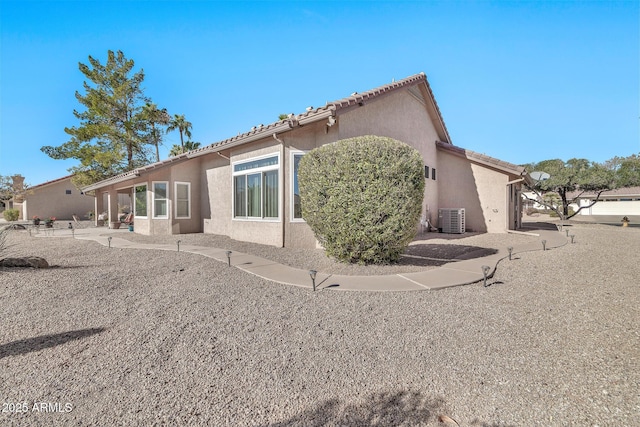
(520, 81)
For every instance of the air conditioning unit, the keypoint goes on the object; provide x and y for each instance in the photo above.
(451, 220)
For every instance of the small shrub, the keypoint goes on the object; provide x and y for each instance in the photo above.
(362, 197)
(11, 214)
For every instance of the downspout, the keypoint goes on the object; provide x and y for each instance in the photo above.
(283, 193)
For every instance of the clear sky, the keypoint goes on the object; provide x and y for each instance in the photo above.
(520, 81)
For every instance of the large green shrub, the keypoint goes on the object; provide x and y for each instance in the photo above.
(362, 197)
(11, 214)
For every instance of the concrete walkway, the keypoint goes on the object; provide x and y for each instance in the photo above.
(451, 274)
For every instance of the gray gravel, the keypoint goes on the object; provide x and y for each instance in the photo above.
(134, 337)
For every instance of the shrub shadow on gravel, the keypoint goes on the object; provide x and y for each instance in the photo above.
(402, 408)
(439, 254)
(28, 345)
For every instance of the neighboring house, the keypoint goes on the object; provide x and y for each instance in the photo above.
(612, 206)
(58, 198)
(246, 187)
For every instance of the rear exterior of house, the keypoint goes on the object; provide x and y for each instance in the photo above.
(246, 187)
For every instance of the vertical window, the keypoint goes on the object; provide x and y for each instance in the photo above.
(296, 205)
(140, 201)
(255, 188)
(433, 173)
(183, 200)
(160, 200)
(426, 171)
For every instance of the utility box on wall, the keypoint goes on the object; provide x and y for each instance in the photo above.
(451, 220)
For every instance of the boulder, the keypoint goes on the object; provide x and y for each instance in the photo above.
(29, 261)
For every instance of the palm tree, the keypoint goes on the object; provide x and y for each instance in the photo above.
(188, 146)
(179, 123)
(154, 117)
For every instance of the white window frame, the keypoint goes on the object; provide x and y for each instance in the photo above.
(146, 195)
(175, 191)
(294, 153)
(167, 199)
(253, 171)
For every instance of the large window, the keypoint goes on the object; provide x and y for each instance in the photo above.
(296, 206)
(255, 188)
(140, 194)
(183, 199)
(160, 200)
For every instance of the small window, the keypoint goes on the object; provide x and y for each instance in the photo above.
(426, 171)
(433, 174)
(67, 191)
(295, 200)
(183, 200)
(140, 201)
(160, 200)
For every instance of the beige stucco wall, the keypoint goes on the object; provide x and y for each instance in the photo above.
(482, 191)
(402, 116)
(52, 200)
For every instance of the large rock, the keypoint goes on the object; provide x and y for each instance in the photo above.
(29, 261)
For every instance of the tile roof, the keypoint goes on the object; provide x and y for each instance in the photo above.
(53, 181)
(293, 121)
(484, 159)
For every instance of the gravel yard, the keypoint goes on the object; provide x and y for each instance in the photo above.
(140, 337)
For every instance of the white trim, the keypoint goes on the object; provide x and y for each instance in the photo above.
(146, 192)
(175, 192)
(254, 171)
(293, 153)
(153, 200)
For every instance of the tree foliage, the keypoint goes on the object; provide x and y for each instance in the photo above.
(115, 130)
(188, 146)
(626, 169)
(362, 197)
(182, 125)
(570, 180)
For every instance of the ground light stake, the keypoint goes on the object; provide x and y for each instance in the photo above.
(510, 249)
(178, 242)
(485, 272)
(567, 232)
(229, 257)
(109, 239)
(544, 245)
(572, 236)
(312, 274)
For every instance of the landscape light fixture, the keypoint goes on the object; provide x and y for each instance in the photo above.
(312, 274)
(544, 245)
(510, 249)
(178, 242)
(229, 257)
(109, 239)
(567, 231)
(485, 273)
(572, 236)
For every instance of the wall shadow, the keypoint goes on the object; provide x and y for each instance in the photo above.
(384, 409)
(28, 345)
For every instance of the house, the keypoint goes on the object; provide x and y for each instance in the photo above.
(612, 206)
(245, 187)
(58, 198)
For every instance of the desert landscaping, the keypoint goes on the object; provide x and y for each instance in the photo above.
(144, 337)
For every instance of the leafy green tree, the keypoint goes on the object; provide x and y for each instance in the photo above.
(362, 197)
(180, 123)
(626, 169)
(112, 135)
(569, 181)
(188, 146)
(156, 119)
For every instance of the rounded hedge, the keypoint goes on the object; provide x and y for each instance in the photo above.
(362, 197)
